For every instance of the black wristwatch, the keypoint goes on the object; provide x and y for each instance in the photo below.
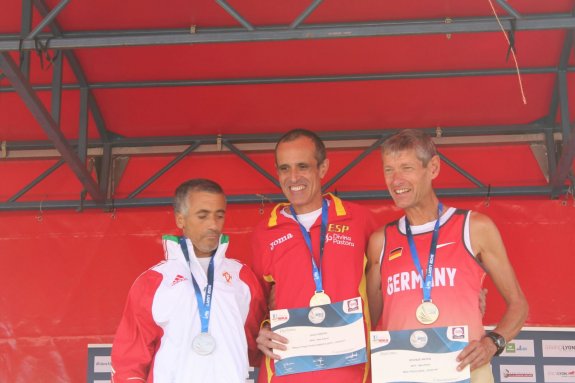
(498, 340)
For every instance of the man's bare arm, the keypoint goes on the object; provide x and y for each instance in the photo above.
(490, 250)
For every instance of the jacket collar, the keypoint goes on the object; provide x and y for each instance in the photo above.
(337, 204)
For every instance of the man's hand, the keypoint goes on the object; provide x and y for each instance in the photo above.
(476, 354)
(267, 340)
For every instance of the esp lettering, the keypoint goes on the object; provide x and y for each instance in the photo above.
(336, 228)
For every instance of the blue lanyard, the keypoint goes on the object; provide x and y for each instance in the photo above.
(433, 248)
(204, 305)
(317, 277)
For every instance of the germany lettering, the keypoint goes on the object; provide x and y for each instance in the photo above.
(411, 280)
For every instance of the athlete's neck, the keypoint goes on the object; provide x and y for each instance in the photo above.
(203, 254)
(423, 213)
(308, 208)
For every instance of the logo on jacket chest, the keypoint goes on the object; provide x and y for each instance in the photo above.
(282, 239)
(338, 235)
(227, 276)
(179, 278)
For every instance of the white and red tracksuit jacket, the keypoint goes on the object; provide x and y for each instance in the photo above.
(153, 342)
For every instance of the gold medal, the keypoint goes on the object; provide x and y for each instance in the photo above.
(427, 312)
(319, 298)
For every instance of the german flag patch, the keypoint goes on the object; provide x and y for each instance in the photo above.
(395, 253)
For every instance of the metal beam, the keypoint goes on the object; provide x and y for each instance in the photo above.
(565, 165)
(464, 135)
(564, 103)
(56, 99)
(78, 73)
(48, 125)
(551, 151)
(103, 169)
(304, 15)
(329, 31)
(25, 29)
(48, 19)
(235, 14)
(37, 180)
(248, 160)
(461, 171)
(161, 172)
(302, 79)
(257, 199)
(83, 126)
(352, 164)
(509, 9)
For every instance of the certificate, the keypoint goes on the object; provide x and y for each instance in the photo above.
(320, 337)
(422, 355)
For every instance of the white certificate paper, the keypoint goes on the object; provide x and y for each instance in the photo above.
(423, 355)
(320, 337)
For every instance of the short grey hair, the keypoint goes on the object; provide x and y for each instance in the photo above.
(408, 139)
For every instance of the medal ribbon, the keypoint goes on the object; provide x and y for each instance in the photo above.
(204, 305)
(317, 276)
(433, 248)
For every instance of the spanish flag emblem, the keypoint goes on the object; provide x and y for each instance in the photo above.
(395, 253)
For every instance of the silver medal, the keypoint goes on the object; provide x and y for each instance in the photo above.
(203, 344)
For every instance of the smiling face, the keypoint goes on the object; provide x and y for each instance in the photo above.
(202, 220)
(408, 180)
(299, 174)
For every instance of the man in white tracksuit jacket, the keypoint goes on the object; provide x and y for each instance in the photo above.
(192, 317)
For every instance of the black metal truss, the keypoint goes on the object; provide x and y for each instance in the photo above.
(103, 152)
(98, 39)
(369, 140)
(45, 120)
(303, 79)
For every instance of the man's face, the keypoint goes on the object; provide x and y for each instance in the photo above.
(299, 174)
(204, 220)
(408, 181)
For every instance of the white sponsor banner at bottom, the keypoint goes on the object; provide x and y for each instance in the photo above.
(520, 348)
(517, 373)
(558, 348)
(102, 363)
(558, 374)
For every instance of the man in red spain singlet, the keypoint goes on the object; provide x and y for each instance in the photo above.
(283, 260)
(455, 248)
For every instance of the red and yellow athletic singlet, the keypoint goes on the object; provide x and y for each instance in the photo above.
(457, 275)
